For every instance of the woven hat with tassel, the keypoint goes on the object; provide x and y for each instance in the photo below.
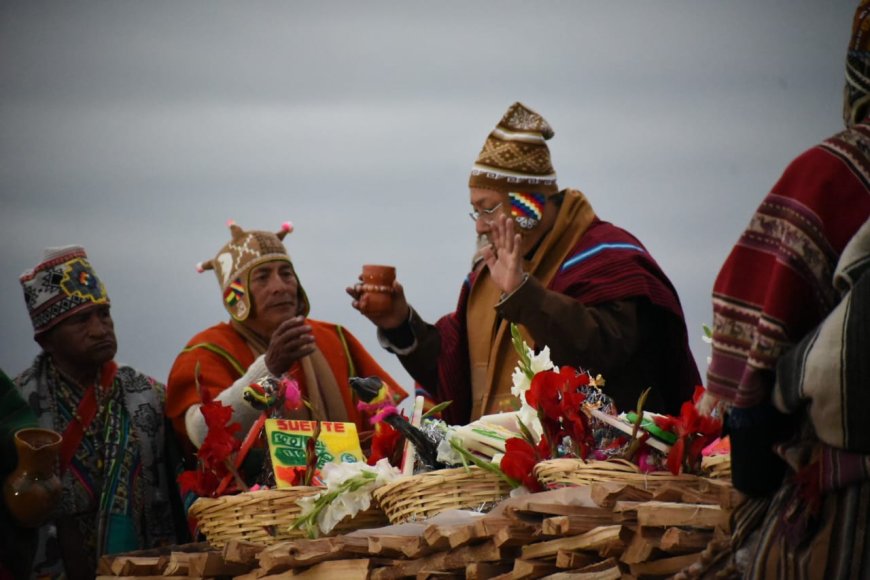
(239, 257)
(515, 156)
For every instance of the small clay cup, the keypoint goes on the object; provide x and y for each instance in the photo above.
(377, 289)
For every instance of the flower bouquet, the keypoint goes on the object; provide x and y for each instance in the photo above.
(229, 509)
(567, 431)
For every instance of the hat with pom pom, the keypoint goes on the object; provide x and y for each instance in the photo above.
(239, 257)
(515, 156)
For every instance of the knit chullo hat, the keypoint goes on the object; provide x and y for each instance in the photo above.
(61, 285)
(239, 257)
(856, 97)
(515, 156)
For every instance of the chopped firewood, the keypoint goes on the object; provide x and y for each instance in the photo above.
(682, 494)
(490, 525)
(666, 514)
(212, 564)
(680, 540)
(567, 560)
(241, 552)
(136, 566)
(252, 575)
(578, 524)
(669, 493)
(357, 569)
(176, 563)
(486, 570)
(603, 570)
(104, 566)
(664, 566)
(524, 569)
(300, 553)
(606, 495)
(352, 544)
(641, 546)
(111, 577)
(398, 546)
(627, 508)
(444, 537)
(514, 536)
(591, 540)
(444, 561)
(440, 576)
(542, 508)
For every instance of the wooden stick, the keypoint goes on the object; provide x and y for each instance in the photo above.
(409, 455)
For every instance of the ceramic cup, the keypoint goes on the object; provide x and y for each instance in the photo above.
(377, 288)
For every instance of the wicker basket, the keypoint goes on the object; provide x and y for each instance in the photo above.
(265, 516)
(418, 497)
(566, 472)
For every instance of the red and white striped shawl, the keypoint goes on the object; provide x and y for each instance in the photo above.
(776, 285)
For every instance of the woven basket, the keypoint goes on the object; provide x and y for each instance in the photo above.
(567, 472)
(265, 516)
(422, 496)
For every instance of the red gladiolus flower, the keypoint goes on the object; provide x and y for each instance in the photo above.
(694, 432)
(220, 441)
(519, 461)
(295, 475)
(547, 389)
(198, 481)
(383, 443)
(559, 402)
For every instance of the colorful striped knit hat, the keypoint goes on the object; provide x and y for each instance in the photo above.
(239, 257)
(63, 284)
(856, 97)
(515, 156)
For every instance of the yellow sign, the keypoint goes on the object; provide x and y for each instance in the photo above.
(288, 438)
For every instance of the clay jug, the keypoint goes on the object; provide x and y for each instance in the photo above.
(377, 286)
(33, 490)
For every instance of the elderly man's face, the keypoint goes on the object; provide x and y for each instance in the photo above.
(274, 296)
(487, 204)
(85, 340)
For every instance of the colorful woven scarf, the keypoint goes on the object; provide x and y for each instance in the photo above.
(111, 486)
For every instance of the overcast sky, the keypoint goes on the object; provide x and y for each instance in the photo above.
(138, 128)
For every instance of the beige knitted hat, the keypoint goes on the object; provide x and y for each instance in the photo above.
(515, 156)
(238, 258)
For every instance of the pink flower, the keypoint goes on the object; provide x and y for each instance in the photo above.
(292, 393)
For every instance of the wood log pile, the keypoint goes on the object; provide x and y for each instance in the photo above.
(600, 531)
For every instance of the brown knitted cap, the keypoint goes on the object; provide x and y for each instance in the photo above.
(239, 257)
(515, 156)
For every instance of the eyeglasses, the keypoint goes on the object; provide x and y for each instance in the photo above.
(487, 214)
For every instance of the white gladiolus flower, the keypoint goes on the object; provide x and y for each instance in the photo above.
(538, 362)
(446, 453)
(348, 491)
(529, 416)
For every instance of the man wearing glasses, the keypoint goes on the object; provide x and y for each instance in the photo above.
(584, 287)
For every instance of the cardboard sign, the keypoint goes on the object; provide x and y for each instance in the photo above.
(338, 443)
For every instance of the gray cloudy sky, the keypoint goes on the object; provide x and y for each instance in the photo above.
(137, 128)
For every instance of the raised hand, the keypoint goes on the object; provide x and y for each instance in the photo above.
(504, 257)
